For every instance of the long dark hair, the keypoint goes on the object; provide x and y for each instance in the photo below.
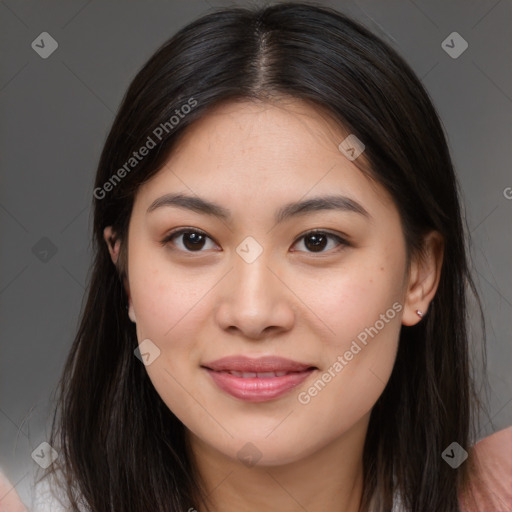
(121, 448)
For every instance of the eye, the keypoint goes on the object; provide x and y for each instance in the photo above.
(317, 240)
(193, 239)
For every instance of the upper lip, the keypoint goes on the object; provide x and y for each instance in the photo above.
(262, 364)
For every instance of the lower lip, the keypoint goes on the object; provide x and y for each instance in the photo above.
(258, 389)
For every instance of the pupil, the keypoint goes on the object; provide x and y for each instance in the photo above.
(194, 239)
(317, 244)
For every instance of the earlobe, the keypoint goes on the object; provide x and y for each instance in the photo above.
(424, 277)
(131, 312)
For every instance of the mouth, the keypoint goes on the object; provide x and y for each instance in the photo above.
(252, 375)
(257, 380)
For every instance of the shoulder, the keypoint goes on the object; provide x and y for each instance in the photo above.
(9, 499)
(491, 474)
(47, 498)
(49, 495)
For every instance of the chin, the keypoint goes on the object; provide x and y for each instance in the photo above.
(261, 452)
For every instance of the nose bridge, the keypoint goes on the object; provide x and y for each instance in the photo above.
(254, 299)
(251, 267)
(254, 282)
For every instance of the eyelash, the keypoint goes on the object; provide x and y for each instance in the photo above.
(342, 242)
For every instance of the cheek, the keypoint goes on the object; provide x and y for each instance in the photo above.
(363, 308)
(356, 368)
(347, 302)
(163, 296)
(167, 306)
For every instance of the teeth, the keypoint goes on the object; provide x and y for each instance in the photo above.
(267, 374)
(262, 375)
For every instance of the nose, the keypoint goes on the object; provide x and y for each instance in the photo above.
(254, 301)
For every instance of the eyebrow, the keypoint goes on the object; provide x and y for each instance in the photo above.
(201, 205)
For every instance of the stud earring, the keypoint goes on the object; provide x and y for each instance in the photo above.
(419, 313)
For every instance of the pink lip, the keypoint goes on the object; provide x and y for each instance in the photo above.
(257, 388)
(260, 364)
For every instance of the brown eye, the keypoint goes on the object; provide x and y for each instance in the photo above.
(192, 240)
(317, 241)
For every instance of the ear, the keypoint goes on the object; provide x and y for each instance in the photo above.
(114, 246)
(424, 276)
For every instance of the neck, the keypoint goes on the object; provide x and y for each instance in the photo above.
(328, 480)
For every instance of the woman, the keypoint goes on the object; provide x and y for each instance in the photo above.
(276, 317)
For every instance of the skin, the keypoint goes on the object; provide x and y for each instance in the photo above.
(9, 499)
(200, 305)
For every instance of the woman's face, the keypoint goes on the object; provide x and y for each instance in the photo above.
(253, 284)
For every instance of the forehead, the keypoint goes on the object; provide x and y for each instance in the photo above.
(257, 153)
(284, 127)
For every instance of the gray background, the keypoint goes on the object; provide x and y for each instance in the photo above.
(55, 114)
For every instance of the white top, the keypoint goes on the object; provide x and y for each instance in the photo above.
(43, 500)
(49, 499)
